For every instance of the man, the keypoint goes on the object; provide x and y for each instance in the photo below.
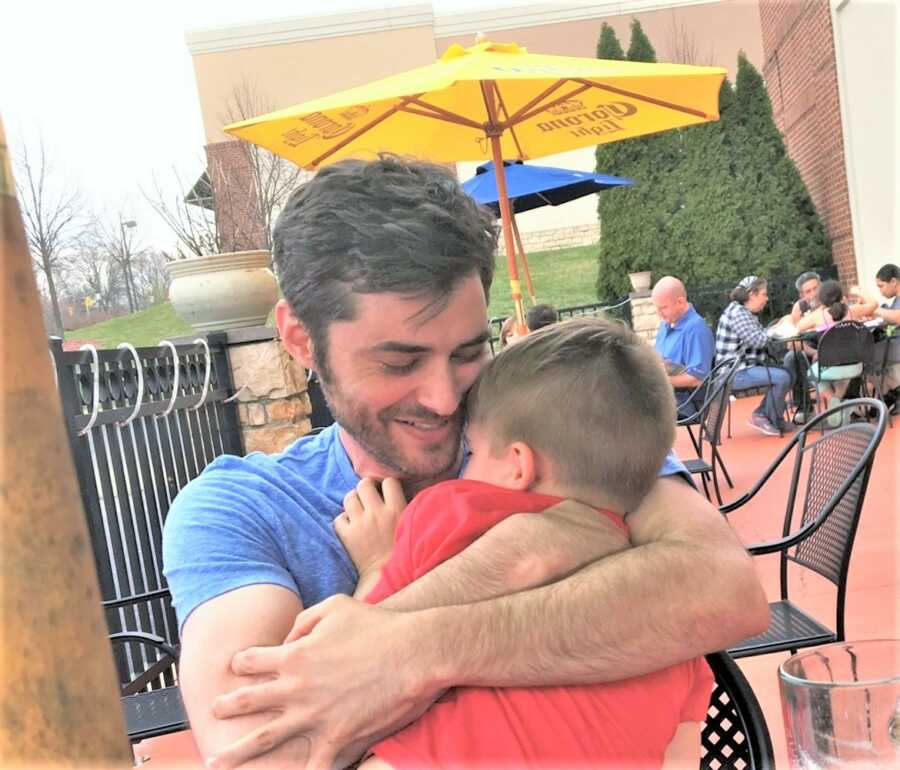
(807, 285)
(684, 341)
(798, 359)
(385, 268)
(888, 281)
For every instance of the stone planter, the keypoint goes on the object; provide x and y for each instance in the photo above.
(640, 281)
(224, 291)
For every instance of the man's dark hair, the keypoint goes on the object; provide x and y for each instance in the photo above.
(388, 225)
(888, 272)
(830, 293)
(540, 316)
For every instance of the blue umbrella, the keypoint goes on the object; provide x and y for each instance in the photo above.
(530, 187)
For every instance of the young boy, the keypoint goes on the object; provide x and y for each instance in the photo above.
(580, 410)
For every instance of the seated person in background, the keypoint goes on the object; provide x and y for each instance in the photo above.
(536, 318)
(798, 359)
(740, 335)
(888, 281)
(831, 293)
(599, 383)
(837, 378)
(540, 316)
(808, 288)
(683, 338)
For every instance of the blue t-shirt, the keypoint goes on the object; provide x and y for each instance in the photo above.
(689, 342)
(267, 519)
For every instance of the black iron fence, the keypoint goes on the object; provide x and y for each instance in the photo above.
(141, 424)
(619, 309)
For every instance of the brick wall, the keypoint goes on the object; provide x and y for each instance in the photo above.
(238, 221)
(801, 77)
(557, 238)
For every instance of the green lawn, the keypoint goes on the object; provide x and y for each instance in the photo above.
(144, 328)
(562, 278)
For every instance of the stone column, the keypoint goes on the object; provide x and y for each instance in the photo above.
(644, 319)
(273, 405)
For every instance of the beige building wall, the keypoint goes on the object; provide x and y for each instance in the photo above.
(294, 60)
(865, 36)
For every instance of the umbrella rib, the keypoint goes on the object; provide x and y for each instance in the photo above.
(438, 113)
(643, 98)
(516, 118)
(519, 117)
(512, 130)
(344, 142)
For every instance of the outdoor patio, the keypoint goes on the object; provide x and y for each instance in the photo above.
(871, 609)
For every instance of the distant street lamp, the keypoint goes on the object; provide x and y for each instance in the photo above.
(126, 265)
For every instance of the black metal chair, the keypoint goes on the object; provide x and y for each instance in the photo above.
(833, 468)
(147, 664)
(885, 353)
(708, 419)
(847, 343)
(735, 734)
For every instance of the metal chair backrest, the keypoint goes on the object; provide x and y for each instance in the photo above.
(714, 419)
(734, 734)
(831, 472)
(847, 342)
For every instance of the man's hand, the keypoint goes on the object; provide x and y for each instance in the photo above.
(353, 675)
(367, 525)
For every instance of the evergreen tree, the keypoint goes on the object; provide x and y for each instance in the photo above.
(711, 202)
(635, 219)
(783, 234)
(608, 46)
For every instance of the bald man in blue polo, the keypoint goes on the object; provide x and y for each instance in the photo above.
(682, 338)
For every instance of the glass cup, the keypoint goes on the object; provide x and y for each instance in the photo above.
(841, 705)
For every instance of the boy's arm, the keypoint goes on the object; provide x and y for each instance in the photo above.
(687, 587)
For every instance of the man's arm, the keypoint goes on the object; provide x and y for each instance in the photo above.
(889, 315)
(683, 380)
(257, 615)
(687, 588)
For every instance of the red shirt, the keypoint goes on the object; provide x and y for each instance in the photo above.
(630, 722)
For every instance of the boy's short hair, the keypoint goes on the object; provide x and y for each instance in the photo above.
(590, 396)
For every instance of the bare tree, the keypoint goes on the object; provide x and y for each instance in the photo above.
(193, 224)
(52, 212)
(95, 273)
(151, 279)
(682, 47)
(273, 178)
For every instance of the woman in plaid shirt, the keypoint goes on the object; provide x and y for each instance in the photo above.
(741, 335)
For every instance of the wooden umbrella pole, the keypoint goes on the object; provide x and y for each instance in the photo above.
(59, 698)
(531, 294)
(493, 133)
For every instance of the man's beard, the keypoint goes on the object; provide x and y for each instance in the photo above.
(372, 431)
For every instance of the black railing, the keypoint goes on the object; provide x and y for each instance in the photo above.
(141, 424)
(619, 309)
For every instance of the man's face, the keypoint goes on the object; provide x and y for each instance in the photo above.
(397, 375)
(809, 291)
(670, 307)
(888, 289)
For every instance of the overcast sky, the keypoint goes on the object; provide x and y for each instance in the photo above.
(110, 88)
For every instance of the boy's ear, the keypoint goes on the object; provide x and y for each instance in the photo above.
(295, 337)
(522, 468)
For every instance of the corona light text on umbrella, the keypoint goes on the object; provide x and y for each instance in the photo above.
(489, 102)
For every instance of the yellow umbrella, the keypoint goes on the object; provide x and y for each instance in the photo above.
(491, 101)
